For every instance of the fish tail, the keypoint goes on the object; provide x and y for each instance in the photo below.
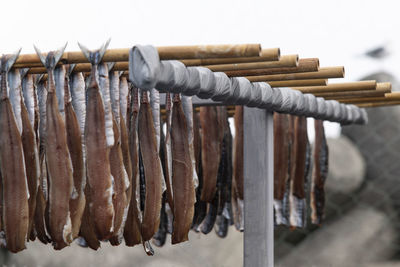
(52, 58)
(7, 61)
(95, 56)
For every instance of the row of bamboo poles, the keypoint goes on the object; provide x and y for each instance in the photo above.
(253, 63)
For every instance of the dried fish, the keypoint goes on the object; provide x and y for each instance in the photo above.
(319, 174)
(211, 143)
(14, 183)
(59, 78)
(123, 98)
(75, 147)
(238, 151)
(132, 233)
(182, 175)
(211, 217)
(168, 161)
(152, 169)
(281, 167)
(99, 178)
(297, 197)
(58, 161)
(31, 156)
(161, 236)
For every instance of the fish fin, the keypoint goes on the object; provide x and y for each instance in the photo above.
(110, 66)
(7, 61)
(95, 56)
(23, 72)
(38, 78)
(70, 69)
(52, 58)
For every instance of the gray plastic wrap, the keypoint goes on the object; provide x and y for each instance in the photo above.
(235, 91)
(337, 112)
(343, 113)
(329, 110)
(277, 99)
(321, 108)
(222, 88)
(364, 116)
(356, 114)
(207, 83)
(312, 105)
(244, 93)
(256, 96)
(299, 105)
(349, 117)
(144, 66)
(288, 99)
(193, 84)
(173, 76)
(266, 95)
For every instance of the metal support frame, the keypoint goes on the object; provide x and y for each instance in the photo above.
(258, 188)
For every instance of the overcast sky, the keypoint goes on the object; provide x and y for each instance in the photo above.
(338, 32)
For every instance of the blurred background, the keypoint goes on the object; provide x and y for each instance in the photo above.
(362, 224)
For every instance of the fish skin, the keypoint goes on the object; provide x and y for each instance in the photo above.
(222, 226)
(104, 85)
(211, 217)
(87, 224)
(297, 201)
(132, 229)
(120, 201)
(238, 164)
(99, 176)
(168, 154)
(123, 98)
(211, 150)
(114, 95)
(77, 88)
(152, 170)
(161, 236)
(59, 78)
(15, 96)
(319, 174)
(14, 183)
(32, 167)
(182, 175)
(74, 141)
(59, 170)
(227, 190)
(28, 91)
(281, 165)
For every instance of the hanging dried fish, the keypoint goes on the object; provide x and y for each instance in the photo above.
(200, 207)
(211, 217)
(75, 147)
(152, 169)
(297, 197)
(182, 175)
(15, 214)
(58, 161)
(42, 193)
(281, 167)
(319, 174)
(124, 98)
(31, 154)
(161, 236)
(97, 142)
(238, 151)
(132, 233)
(211, 142)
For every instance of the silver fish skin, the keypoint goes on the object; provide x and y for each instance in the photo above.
(114, 94)
(42, 98)
(28, 92)
(188, 111)
(104, 84)
(77, 88)
(14, 93)
(59, 78)
(123, 97)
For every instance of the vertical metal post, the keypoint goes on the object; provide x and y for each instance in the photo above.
(258, 188)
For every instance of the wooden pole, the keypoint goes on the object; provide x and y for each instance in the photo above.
(353, 94)
(165, 53)
(339, 87)
(378, 104)
(386, 97)
(294, 83)
(284, 61)
(258, 188)
(304, 65)
(271, 54)
(323, 73)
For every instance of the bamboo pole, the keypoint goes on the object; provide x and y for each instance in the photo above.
(165, 53)
(353, 94)
(294, 83)
(323, 73)
(270, 54)
(378, 104)
(304, 65)
(284, 61)
(386, 97)
(122, 66)
(340, 87)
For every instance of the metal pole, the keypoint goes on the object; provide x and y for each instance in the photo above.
(258, 188)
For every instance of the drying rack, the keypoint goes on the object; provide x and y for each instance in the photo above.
(255, 65)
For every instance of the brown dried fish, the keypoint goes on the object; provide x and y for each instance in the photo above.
(182, 175)
(319, 174)
(297, 197)
(238, 151)
(14, 184)
(99, 178)
(132, 233)
(281, 165)
(212, 135)
(58, 161)
(74, 141)
(152, 170)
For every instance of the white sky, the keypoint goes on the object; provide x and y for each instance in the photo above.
(337, 32)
